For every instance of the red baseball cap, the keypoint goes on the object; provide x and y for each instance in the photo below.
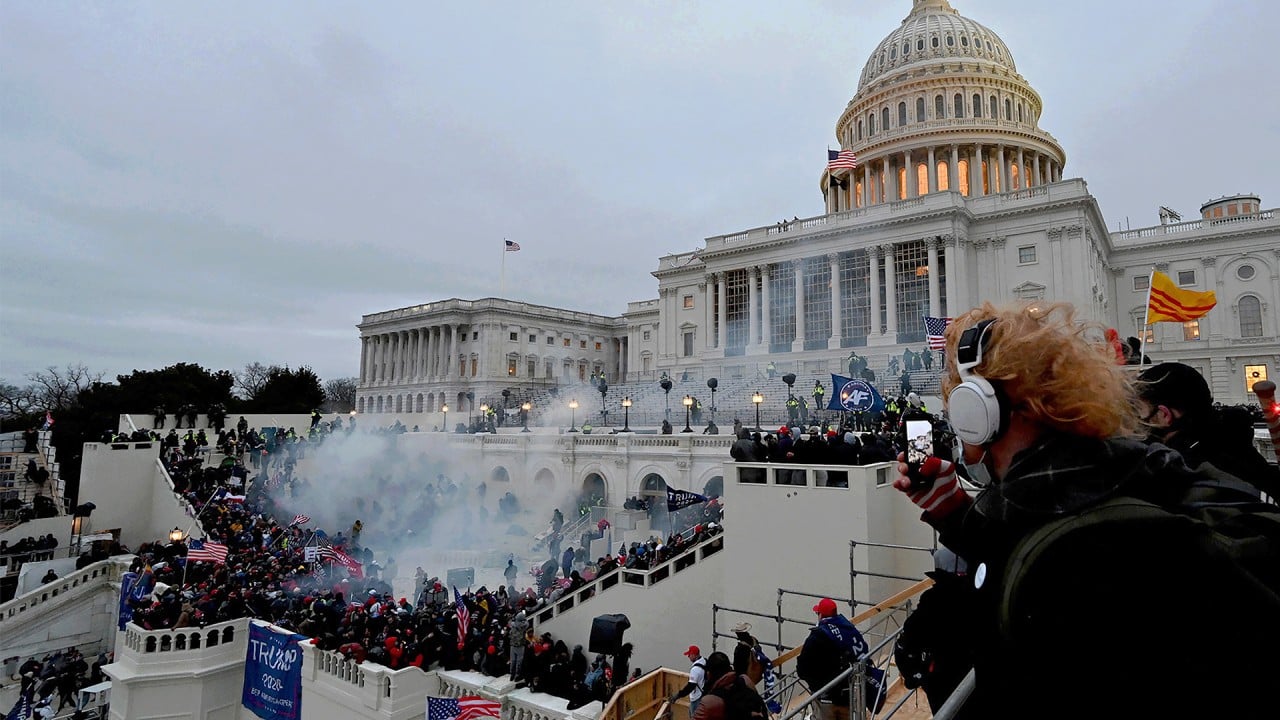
(692, 651)
(826, 607)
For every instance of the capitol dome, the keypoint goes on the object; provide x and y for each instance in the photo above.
(940, 107)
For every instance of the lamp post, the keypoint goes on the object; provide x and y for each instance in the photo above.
(175, 535)
(525, 408)
(626, 414)
(444, 425)
(484, 414)
(713, 383)
(573, 415)
(688, 405)
(757, 399)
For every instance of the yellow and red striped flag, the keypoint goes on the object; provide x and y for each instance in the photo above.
(1166, 302)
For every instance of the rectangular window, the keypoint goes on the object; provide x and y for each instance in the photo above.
(1253, 374)
(532, 368)
(1186, 277)
(688, 302)
(855, 297)
(688, 344)
(599, 346)
(1141, 282)
(1191, 330)
(475, 335)
(474, 366)
(514, 336)
(566, 342)
(583, 344)
(817, 301)
(912, 290)
(646, 334)
(1026, 254)
(511, 367)
(551, 340)
(533, 338)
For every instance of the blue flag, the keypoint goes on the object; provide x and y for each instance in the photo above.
(273, 674)
(23, 708)
(677, 499)
(127, 581)
(854, 395)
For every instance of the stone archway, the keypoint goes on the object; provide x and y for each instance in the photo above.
(714, 487)
(544, 482)
(594, 485)
(501, 475)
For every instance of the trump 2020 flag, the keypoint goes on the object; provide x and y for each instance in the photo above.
(273, 673)
(854, 395)
(677, 499)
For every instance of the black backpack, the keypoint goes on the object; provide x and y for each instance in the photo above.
(1183, 602)
(741, 701)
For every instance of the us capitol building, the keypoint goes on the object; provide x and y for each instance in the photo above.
(958, 196)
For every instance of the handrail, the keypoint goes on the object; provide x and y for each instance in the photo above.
(108, 570)
(657, 679)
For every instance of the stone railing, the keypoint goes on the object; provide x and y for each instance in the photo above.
(1192, 225)
(228, 638)
(76, 584)
(630, 576)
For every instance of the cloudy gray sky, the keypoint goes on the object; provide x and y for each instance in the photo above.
(225, 183)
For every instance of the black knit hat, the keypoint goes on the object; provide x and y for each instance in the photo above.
(1177, 386)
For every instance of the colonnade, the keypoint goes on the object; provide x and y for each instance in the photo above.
(413, 355)
(881, 269)
(974, 169)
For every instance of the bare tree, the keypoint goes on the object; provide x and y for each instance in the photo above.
(340, 394)
(251, 380)
(16, 400)
(57, 389)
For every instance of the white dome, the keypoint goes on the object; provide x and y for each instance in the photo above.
(934, 32)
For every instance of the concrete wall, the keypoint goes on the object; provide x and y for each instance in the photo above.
(125, 483)
(155, 678)
(79, 609)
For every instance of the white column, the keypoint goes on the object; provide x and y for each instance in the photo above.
(404, 355)
(397, 347)
(890, 182)
(890, 294)
(708, 288)
(380, 357)
(953, 170)
(873, 258)
(909, 175)
(833, 342)
(428, 347)
(1022, 170)
(831, 192)
(766, 317)
(935, 304)
(753, 308)
(1004, 179)
(722, 308)
(1035, 168)
(866, 185)
(949, 254)
(975, 172)
(453, 356)
(933, 172)
(797, 343)
(364, 359)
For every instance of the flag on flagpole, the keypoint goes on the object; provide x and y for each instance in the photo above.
(206, 551)
(343, 559)
(145, 583)
(300, 520)
(934, 329)
(467, 707)
(23, 709)
(464, 617)
(841, 160)
(1169, 303)
(512, 245)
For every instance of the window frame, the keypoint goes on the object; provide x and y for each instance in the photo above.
(1035, 254)
(1141, 283)
(1186, 283)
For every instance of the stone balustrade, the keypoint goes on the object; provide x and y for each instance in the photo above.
(77, 583)
(216, 643)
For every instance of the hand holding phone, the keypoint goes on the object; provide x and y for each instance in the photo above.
(917, 440)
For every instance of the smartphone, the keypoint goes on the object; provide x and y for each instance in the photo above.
(917, 442)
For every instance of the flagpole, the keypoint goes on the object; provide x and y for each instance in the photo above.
(502, 292)
(1146, 316)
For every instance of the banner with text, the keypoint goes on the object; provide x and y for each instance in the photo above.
(677, 499)
(273, 673)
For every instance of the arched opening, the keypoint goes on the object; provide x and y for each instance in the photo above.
(939, 107)
(594, 489)
(180, 642)
(544, 482)
(399, 403)
(920, 110)
(195, 641)
(995, 109)
(213, 639)
(500, 474)
(944, 176)
(977, 105)
(419, 403)
(150, 645)
(962, 172)
(431, 402)
(228, 634)
(653, 488)
(1008, 109)
(902, 114)
(1250, 310)
(379, 403)
(166, 643)
(922, 179)
(884, 118)
(1014, 183)
(958, 101)
(714, 487)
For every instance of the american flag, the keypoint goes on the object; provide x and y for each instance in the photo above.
(512, 245)
(464, 708)
(206, 551)
(343, 559)
(464, 617)
(841, 160)
(300, 520)
(934, 328)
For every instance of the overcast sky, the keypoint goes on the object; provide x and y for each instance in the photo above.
(224, 183)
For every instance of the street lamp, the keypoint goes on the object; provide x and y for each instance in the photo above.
(444, 425)
(484, 415)
(688, 406)
(757, 399)
(573, 415)
(626, 414)
(175, 535)
(526, 407)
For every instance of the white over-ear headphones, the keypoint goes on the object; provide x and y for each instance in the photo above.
(977, 412)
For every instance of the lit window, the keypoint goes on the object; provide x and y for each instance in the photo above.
(1186, 277)
(1245, 272)
(1140, 282)
(566, 342)
(511, 367)
(688, 302)
(1232, 209)
(1217, 212)
(599, 346)
(1253, 374)
(1250, 316)
(646, 334)
(514, 336)
(1026, 254)
(1191, 330)
(944, 175)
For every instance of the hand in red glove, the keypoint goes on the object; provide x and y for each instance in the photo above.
(941, 496)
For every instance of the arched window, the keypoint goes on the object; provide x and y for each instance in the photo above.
(922, 179)
(962, 172)
(1008, 109)
(939, 107)
(995, 109)
(871, 123)
(859, 129)
(902, 114)
(884, 118)
(951, 41)
(920, 110)
(977, 105)
(906, 49)
(1020, 113)
(958, 102)
(920, 44)
(944, 175)
(934, 42)
(1250, 316)
(902, 183)
(893, 53)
